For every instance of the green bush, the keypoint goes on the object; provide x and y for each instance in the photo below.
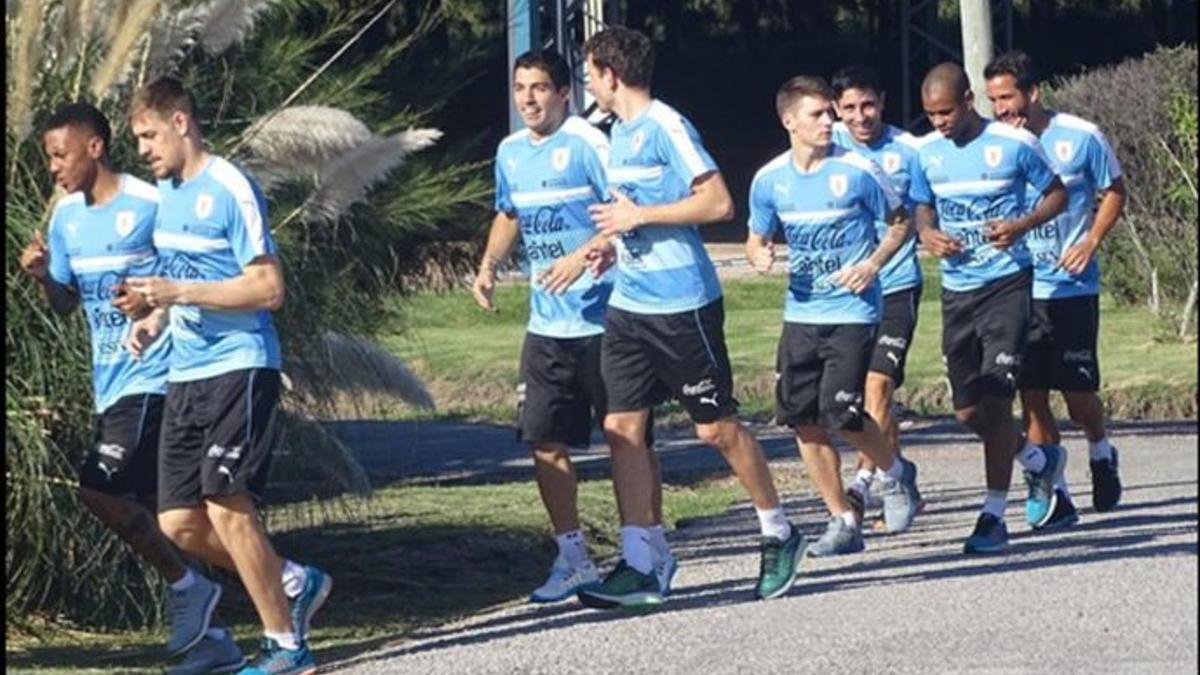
(1147, 109)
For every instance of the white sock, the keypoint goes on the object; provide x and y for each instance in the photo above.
(1031, 457)
(896, 470)
(635, 548)
(286, 640)
(215, 633)
(849, 518)
(774, 523)
(1099, 450)
(658, 540)
(572, 547)
(880, 474)
(293, 578)
(185, 582)
(862, 481)
(994, 503)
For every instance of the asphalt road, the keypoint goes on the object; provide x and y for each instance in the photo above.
(1117, 593)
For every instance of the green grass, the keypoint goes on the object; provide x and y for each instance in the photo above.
(469, 357)
(412, 556)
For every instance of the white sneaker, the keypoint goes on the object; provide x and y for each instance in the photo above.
(564, 580)
(665, 565)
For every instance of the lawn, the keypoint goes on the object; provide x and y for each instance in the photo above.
(468, 357)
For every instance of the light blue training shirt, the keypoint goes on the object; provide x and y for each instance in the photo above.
(94, 248)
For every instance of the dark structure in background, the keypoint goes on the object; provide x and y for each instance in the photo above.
(722, 61)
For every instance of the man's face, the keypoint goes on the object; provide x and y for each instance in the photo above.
(74, 154)
(862, 112)
(601, 84)
(1009, 104)
(948, 115)
(809, 122)
(160, 140)
(543, 108)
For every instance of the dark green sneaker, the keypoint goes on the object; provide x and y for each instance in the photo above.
(779, 565)
(623, 587)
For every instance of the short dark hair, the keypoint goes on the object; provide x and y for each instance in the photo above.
(626, 51)
(548, 61)
(797, 88)
(163, 96)
(83, 115)
(856, 77)
(1016, 63)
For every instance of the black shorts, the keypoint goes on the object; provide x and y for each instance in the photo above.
(217, 436)
(984, 332)
(561, 395)
(894, 337)
(1062, 345)
(647, 357)
(821, 371)
(124, 459)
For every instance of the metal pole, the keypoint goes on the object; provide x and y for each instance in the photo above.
(976, 16)
(523, 34)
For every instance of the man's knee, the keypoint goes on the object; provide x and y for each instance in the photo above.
(1083, 406)
(623, 432)
(184, 527)
(720, 433)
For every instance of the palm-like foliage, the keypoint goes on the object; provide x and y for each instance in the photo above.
(288, 89)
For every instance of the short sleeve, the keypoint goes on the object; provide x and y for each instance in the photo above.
(764, 215)
(60, 259)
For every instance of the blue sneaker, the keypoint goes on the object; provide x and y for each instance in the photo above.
(211, 655)
(901, 499)
(190, 612)
(317, 585)
(990, 535)
(275, 660)
(1106, 483)
(1040, 503)
(1064, 514)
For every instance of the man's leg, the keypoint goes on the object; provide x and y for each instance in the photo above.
(1087, 410)
(236, 524)
(1040, 426)
(192, 531)
(557, 485)
(632, 467)
(823, 465)
(745, 456)
(136, 527)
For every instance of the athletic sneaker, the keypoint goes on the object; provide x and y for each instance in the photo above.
(779, 564)
(564, 580)
(665, 566)
(1064, 514)
(839, 539)
(317, 585)
(990, 535)
(275, 660)
(190, 610)
(623, 587)
(1106, 483)
(211, 656)
(901, 498)
(1042, 495)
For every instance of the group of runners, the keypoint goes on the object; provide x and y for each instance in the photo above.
(178, 281)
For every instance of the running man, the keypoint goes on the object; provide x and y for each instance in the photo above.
(975, 173)
(1065, 321)
(221, 282)
(547, 175)
(664, 330)
(860, 103)
(100, 233)
(827, 200)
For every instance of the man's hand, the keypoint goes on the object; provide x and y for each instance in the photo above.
(1003, 233)
(132, 305)
(484, 288)
(618, 216)
(939, 243)
(564, 272)
(599, 259)
(144, 332)
(158, 291)
(1076, 258)
(35, 258)
(761, 257)
(856, 278)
